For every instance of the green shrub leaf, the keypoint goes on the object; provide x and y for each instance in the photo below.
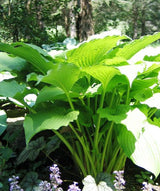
(10, 63)
(11, 88)
(63, 75)
(116, 114)
(3, 123)
(47, 119)
(32, 150)
(135, 46)
(102, 73)
(93, 52)
(28, 53)
(49, 94)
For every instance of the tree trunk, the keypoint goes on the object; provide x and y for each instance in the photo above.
(85, 20)
(135, 20)
(143, 25)
(73, 29)
(9, 8)
(38, 6)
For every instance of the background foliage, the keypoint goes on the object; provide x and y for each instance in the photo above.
(47, 21)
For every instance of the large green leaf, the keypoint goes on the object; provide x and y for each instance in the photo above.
(116, 61)
(102, 73)
(28, 53)
(47, 119)
(116, 114)
(49, 94)
(135, 46)
(3, 123)
(139, 85)
(92, 52)
(151, 71)
(63, 75)
(10, 63)
(140, 141)
(10, 88)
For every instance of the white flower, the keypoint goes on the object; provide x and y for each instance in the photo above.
(90, 184)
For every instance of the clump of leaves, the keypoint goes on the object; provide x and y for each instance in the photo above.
(105, 118)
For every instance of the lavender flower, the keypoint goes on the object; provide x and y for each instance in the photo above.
(74, 187)
(45, 186)
(14, 184)
(55, 177)
(147, 187)
(119, 181)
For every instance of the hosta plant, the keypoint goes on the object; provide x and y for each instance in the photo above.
(92, 98)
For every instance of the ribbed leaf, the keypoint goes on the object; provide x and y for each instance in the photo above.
(139, 85)
(92, 52)
(116, 114)
(135, 46)
(28, 53)
(116, 61)
(102, 73)
(140, 141)
(63, 75)
(3, 123)
(10, 63)
(47, 119)
(32, 150)
(152, 71)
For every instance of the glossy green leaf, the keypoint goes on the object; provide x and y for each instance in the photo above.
(102, 73)
(63, 75)
(28, 53)
(10, 63)
(135, 46)
(47, 119)
(92, 52)
(140, 141)
(3, 123)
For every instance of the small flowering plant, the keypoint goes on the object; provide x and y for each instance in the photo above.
(14, 184)
(86, 97)
(53, 185)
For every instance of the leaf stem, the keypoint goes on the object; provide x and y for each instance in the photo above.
(72, 152)
(85, 149)
(98, 123)
(106, 145)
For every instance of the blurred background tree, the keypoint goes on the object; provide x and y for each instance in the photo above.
(48, 21)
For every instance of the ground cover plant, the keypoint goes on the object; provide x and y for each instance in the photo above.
(91, 97)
